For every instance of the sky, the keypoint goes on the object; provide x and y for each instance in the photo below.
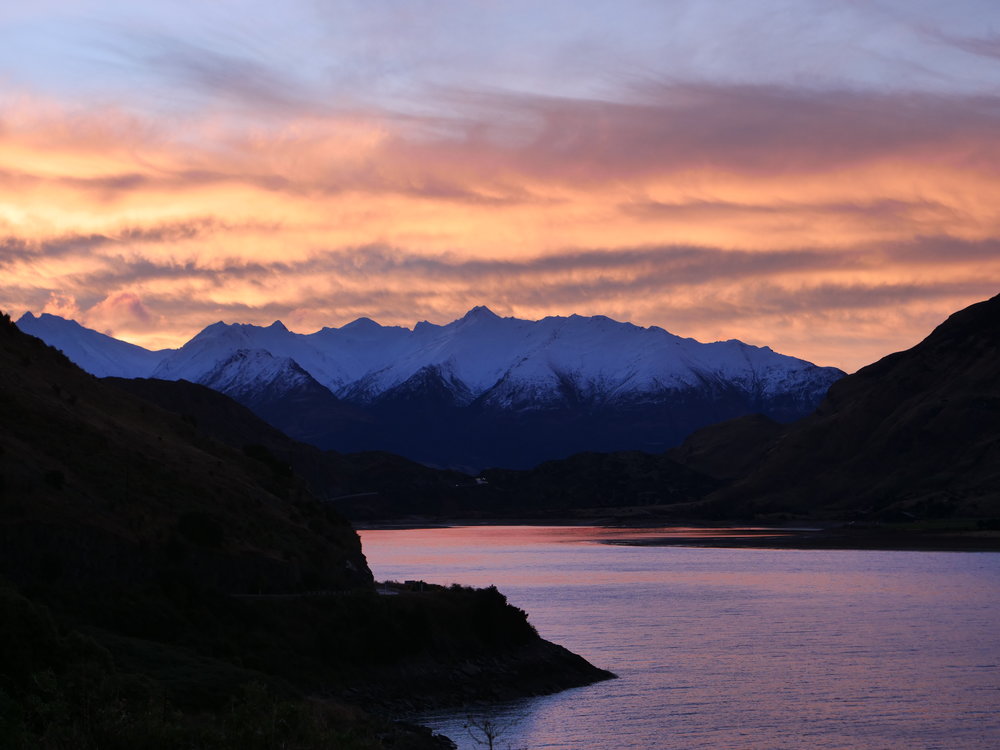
(817, 176)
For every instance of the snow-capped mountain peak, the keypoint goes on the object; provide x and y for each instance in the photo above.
(97, 353)
(596, 358)
(480, 363)
(479, 313)
(246, 373)
(358, 326)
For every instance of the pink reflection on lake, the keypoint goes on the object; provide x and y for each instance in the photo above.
(726, 647)
(444, 536)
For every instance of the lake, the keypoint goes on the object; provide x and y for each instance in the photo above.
(731, 648)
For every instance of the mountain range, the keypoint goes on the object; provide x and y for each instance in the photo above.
(911, 438)
(480, 391)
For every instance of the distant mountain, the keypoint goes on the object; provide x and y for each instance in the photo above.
(97, 353)
(512, 364)
(915, 435)
(479, 391)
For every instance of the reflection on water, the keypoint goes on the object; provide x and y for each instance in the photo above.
(732, 648)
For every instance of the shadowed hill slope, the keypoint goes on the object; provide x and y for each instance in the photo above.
(608, 484)
(915, 433)
(729, 450)
(361, 485)
(375, 485)
(100, 485)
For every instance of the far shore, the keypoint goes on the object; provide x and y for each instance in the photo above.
(741, 535)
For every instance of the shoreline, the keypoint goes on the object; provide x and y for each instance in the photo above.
(830, 540)
(740, 536)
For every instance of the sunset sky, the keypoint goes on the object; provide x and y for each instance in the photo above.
(818, 176)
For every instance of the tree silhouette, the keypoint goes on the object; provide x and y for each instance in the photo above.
(487, 732)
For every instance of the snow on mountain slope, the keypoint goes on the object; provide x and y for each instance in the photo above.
(97, 353)
(248, 374)
(501, 362)
(359, 348)
(481, 390)
(219, 341)
(506, 362)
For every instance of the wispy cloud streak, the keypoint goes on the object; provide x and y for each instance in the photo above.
(782, 216)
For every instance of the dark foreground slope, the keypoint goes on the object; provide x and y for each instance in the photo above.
(161, 589)
(366, 485)
(915, 435)
(102, 487)
(377, 485)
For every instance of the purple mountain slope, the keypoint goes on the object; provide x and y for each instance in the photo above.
(479, 391)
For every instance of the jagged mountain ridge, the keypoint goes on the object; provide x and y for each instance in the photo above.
(503, 361)
(95, 352)
(479, 374)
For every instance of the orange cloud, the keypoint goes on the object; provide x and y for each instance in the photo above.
(835, 227)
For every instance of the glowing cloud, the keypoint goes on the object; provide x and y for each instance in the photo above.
(835, 223)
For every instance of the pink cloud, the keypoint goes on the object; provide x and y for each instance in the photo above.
(726, 210)
(63, 305)
(122, 312)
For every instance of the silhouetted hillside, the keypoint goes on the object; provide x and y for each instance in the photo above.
(99, 485)
(729, 450)
(378, 485)
(161, 589)
(591, 481)
(361, 485)
(914, 435)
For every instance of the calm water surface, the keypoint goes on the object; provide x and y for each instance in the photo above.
(732, 648)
